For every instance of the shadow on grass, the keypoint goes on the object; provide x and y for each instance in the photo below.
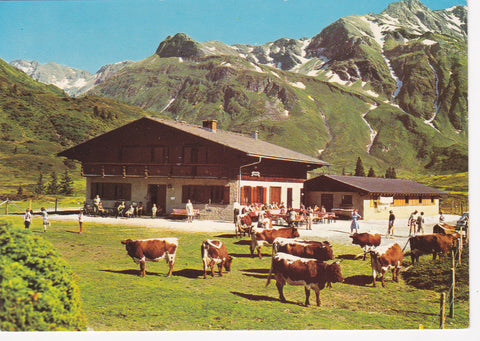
(359, 280)
(228, 235)
(256, 273)
(252, 297)
(75, 232)
(133, 272)
(189, 273)
(240, 255)
(346, 257)
(242, 242)
(259, 271)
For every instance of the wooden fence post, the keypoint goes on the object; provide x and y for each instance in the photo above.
(452, 292)
(442, 311)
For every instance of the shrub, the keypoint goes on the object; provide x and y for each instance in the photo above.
(37, 288)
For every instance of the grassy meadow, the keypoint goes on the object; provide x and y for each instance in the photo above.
(116, 298)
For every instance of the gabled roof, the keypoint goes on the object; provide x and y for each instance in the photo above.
(372, 185)
(244, 143)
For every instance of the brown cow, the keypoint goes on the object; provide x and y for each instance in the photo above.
(261, 237)
(367, 241)
(153, 250)
(303, 248)
(215, 252)
(431, 243)
(243, 225)
(311, 273)
(385, 258)
(443, 228)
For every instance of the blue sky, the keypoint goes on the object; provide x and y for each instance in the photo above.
(89, 34)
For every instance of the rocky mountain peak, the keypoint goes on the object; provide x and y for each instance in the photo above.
(180, 45)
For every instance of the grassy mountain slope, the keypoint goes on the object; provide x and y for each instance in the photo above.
(296, 111)
(39, 120)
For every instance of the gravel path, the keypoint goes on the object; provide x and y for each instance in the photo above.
(337, 232)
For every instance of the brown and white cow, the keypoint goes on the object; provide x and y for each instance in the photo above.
(431, 243)
(444, 228)
(303, 248)
(153, 250)
(385, 258)
(243, 225)
(311, 273)
(262, 237)
(367, 241)
(215, 252)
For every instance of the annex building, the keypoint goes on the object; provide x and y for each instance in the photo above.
(168, 162)
(372, 197)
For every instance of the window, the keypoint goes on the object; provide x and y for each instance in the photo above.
(275, 195)
(160, 154)
(407, 199)
(111, 191)
(347, 200)
(420, 200)
(199, 194)
(195, 154)
(432, 200)
(252, 195)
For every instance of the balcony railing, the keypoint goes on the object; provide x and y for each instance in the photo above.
(154, 170)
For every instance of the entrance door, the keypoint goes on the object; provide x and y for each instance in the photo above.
(289, 197)
(327, 202)
(157, 194)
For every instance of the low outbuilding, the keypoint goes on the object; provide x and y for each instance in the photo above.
(372, 197)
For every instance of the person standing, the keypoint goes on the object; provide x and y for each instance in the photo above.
(412, 221)
(27, 218)
(309, 218)
(154, 210)
(420, 222)
(80, 221)
(236, 211)
(354, 225)
(391, 222)
(96, 203)
(189, 209)
(45, 218)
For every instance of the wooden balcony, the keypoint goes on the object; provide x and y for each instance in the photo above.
(125, 170)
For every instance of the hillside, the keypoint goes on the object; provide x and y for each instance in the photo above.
(39, 120)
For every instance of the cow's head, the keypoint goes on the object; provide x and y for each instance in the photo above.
(126, 241)
(334, 273)
(228, 262)
(295, 232)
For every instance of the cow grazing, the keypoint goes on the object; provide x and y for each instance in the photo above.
(215, 252)
(153, 250)
(243, 225)
(431, 243)
(261, 237)
(311, 273)
(386, 258)
(303, 248)
(367, 241)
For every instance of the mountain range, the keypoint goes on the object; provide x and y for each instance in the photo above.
(389, 87)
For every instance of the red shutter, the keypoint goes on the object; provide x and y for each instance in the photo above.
(264, 201)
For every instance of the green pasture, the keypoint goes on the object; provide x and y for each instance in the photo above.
(116, 298)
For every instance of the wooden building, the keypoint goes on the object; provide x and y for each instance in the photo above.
(372, 197)
(169, 162)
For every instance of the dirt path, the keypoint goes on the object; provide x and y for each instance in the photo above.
(336, 232)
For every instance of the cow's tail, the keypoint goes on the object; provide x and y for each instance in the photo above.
(204, 250)
(269, 273)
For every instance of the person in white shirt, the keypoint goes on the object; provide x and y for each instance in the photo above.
(190, 212)
(45, 219)
(27, 218)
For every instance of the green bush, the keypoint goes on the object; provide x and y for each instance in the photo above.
(37, 288)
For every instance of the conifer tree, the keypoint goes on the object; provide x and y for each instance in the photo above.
(359, 170)
(52, 187)
(371, 173)
(66, 184)
(39, 186)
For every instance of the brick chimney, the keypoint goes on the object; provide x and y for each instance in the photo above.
(210, 125)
